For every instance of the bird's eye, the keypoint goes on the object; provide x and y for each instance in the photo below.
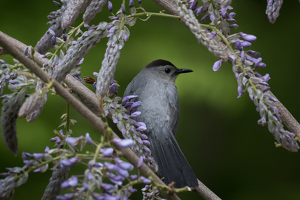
(167, 70)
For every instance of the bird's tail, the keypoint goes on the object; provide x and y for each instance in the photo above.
(172, 165)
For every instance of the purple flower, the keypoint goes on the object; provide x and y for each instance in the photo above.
(232, 57)
(124, 165)
(145, 180)
(133, 177)
(107, 152)
(110, 166)
(56, 3)
(127, 98)
(217, 65)
(204, 18)
(233, 26)
(26, 51)
(88, 139)
(193, 5)
(107, 187)
(113, 88)
(146, 142)
(131, 190)
(243, 56)
(135, 105)
(122, 172)
(249, 38)
(38, 155)
(246, 44)
(238, 45)
(141, 128)
(47, 149)
(135, 114)
(240, 90)
(124, 143)
(212, 34)
(69, 162)
(139, 1)
(71, 182)
(123, 9)
(143, 136)
(128, 104)
(53, 40)
(80, 62)
(72, 141)
(56, 139)
(212, 16)
(98, 196)
(110, 6)
(65, 37)
(140, 163)
(253, 53)
(131, 2)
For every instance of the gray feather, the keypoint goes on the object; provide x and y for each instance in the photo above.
(160, 111)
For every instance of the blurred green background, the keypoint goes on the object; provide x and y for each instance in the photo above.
(218, 133)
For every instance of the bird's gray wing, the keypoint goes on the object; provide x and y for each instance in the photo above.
(173, 111)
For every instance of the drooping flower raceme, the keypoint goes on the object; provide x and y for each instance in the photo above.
(217, 38)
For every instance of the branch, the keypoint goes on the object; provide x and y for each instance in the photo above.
(9, 44)
(286, 117)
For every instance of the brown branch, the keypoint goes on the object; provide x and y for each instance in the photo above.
(9, 46)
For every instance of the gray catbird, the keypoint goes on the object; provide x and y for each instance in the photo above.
(155, 87)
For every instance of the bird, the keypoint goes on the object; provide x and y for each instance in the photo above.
(155, 87)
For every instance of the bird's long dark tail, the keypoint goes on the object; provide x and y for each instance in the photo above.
(172, 165)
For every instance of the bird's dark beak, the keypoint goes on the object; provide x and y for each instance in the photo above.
(180, 71)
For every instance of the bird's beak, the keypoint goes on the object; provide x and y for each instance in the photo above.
(180, 71)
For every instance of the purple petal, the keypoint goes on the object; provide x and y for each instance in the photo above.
(131, 2)
(135, 114)
(212, 16)
(26, 51)
(217, 65)
(238, 45)
(57, 4)
(232, 57)
(80, 62)
(135, 105)
(125, 165)
(127, 98)
(88, 139)
(124, 143)
(141, 160)
(38, 155)
(133, 177)
(249, 38)
(110, 166)
(240, 90)
(110, 6)
(212, 34)
(107, 152)
(113, 89)
(253, 53)
(123, 9)
(145, 180)
(141, 128)
(233, 26)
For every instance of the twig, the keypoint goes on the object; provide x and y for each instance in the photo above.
(78, 106)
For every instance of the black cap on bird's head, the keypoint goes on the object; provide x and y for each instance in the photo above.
(166, 69)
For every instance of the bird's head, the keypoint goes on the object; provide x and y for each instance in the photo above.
(165, 70)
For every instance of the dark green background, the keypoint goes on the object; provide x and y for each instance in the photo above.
(218, 133)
